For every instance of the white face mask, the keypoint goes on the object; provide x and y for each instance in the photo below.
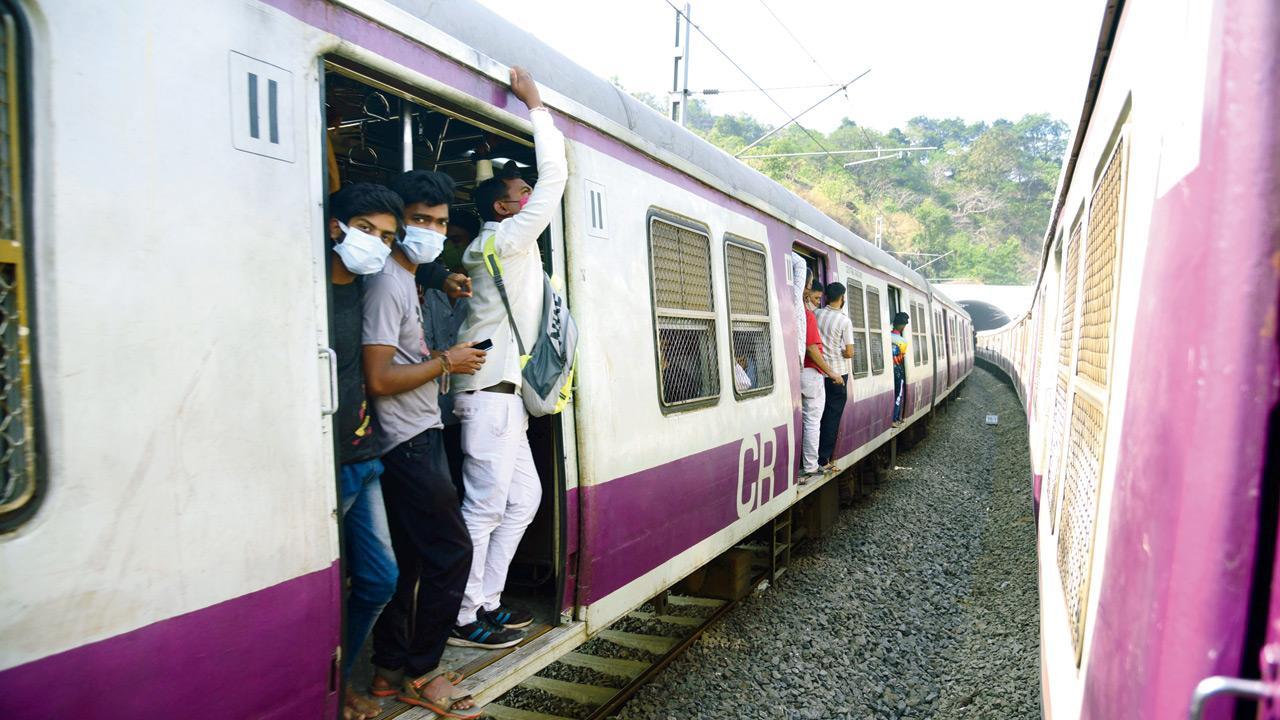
(362, 253)
(421, 245)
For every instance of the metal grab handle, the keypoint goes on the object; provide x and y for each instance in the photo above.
(1223, 685)
(330, 357)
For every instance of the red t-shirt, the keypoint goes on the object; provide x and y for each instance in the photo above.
(811, 337)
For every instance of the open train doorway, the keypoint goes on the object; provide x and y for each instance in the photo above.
(815, 261)
(895, 302)
(377, 128)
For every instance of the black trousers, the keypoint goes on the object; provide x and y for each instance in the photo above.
(433, 551)
(453, 451)
(837, 395)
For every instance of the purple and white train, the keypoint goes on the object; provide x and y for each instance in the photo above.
(170, 543)
(1148, 368)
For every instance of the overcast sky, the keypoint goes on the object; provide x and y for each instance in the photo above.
(974, 59)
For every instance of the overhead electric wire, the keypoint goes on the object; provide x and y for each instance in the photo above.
(717, 91)
(750, 79)
(799, 44)
(794, 118)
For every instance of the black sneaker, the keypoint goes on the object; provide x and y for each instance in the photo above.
(508, 617)
(481, 634)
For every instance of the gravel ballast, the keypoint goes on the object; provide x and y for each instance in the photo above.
(921, 601)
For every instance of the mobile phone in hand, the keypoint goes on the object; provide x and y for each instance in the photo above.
(484, 344)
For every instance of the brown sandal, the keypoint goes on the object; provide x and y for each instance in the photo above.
(383, 686)
(412, 693)
(360, 707)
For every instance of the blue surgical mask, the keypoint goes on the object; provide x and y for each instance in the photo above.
(362, 253)
(421, 245)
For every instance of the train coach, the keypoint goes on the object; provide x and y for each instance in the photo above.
(170, 539)
(1148, 368)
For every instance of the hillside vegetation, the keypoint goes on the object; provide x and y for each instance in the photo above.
(983, 196)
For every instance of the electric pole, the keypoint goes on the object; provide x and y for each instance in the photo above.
(680, 68)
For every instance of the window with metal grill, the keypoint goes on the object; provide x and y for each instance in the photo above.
(1066, 335)
(683, 311)
(917, 318)
(924, 336)
(20, 486)
(940, 347)
(855, 304)
(876, 324)
(1099, 273)
(748, 316)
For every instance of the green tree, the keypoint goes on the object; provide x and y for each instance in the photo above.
(983, 195)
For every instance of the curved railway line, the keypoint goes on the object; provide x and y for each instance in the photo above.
(919, 601)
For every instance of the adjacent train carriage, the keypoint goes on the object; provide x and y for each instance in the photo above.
(1148, 368)
(172, 540)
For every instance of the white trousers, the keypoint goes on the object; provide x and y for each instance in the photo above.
(813, 396)
(502, 491)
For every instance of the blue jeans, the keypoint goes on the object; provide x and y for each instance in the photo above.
(370, 562)
(899, 389)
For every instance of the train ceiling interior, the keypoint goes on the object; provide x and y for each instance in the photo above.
(367, 131)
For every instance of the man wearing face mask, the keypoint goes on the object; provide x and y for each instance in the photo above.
(364, 221)
(463, 228)
(502, 486)
(429, 538)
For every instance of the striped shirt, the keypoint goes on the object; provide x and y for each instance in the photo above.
(836, 330)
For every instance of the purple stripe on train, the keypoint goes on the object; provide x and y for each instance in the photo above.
(570, 551)
(863, 421)
(631, 525)
(264, 655)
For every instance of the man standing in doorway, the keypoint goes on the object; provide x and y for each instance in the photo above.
(898, 341)
(813, 394)
(502, 486)
(430, 540)
(836, 330)
(364, 221)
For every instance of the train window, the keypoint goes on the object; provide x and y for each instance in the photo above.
(939, 345)
(748, 316)
(1066, 335)
(856, 306)
(924, 335)
(684, 311)
(1099, 273)
(21, 486)
(917, 319)
(876, 323)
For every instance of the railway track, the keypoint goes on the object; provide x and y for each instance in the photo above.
(615, 663)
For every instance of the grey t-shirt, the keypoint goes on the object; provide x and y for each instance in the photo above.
(393, 317)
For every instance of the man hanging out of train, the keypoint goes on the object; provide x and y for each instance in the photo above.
(364, 221)
(430, 540)
(502, 486)
(812, 388)
(836, 330)
(898, 341)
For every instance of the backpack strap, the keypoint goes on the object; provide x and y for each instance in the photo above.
(494, 266)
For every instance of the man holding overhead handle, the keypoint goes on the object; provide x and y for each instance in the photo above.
(502, 486)
(898, 341)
